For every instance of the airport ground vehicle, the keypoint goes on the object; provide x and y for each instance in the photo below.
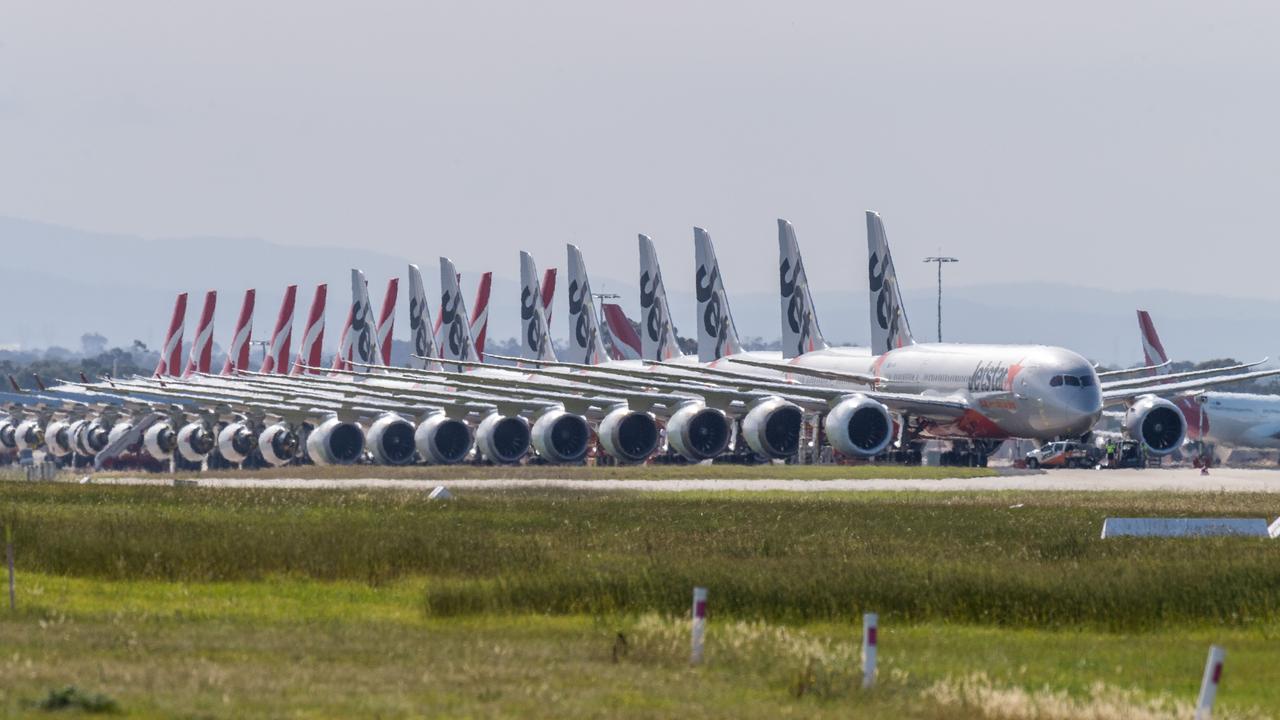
(1063, 453)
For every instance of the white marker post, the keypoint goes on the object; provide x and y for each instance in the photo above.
(1209, 685)
(699, 624)
(870, 641)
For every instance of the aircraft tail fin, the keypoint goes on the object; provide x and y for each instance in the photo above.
(387, 320)
(1152, 349)
(423, 337)
(238, 351)
(889, 327)
(658, 334)
(171, 352)
(277, 359)
(585, 338)
(455, 331)
(800, 331)
(201, 356)
(717, 334)
(548, 292)
(536, 341)
(619, 334)
(480, 314)
(311, 348)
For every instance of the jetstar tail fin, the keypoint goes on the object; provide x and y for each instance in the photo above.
(800, 331)
(238, 351)
(423, 337)
(717, 334)
(171, 352)
(1152, 349)
(201, 356)
(585, 342)
(889, 327)
(387, 320)
(535, 343)
(480, 314)
(658, 335)
(311, 348)
(277, 359)
(455, 331)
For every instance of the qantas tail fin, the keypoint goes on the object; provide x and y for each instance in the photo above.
(800, 331)
(238, 351)
(717, 335)
(480, 314)
(387, 320)
(171, 352)
(201, 356)
(1152, 349)
(585, 342)
(536, 342)
(889, 327)
(456, 343)
(312, 346)
(658, 334)
(548, 292)
(423, 338)
(277, 359)
(619, 334)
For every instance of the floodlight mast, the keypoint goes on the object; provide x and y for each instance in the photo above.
(940, 259)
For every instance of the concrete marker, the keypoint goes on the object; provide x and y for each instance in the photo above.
(1209, 683)
(870, 643)
(699, 628)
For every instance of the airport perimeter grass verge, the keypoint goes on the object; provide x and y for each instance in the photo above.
(543, 603)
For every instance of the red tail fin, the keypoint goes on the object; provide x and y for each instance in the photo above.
(171, 352)
(313, 334)
(480, 313)
(277, 359)
(344, 344)
(202, 346)
(1152, 349)
(39, 382)
(238, 351)
(13, 383)
(623, 343)
(387, 320)
(548, 293)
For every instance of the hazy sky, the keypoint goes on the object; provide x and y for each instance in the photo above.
(1110, 144)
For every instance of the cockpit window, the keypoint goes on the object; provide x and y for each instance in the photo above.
(1086, 381)
(1071, 380)
(1056, 381)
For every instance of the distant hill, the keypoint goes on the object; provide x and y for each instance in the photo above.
(61, 282)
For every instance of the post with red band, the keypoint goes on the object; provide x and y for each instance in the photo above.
(699, 624)
(1209, 685)
(870, 641)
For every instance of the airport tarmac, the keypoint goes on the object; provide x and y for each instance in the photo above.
(1148, 480)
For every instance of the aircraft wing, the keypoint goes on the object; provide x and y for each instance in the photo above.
(835, 375)
(1115, 396)
(1177, 377)
(1133, 371)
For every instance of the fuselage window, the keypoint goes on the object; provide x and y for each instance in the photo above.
(1056, 381)
(1086, 381)
(1071, 380)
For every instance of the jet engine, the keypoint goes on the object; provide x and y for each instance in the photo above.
(503, 439)
(235, 442)
(278, 444)
(442, 440)
(160, 441)
(335, 442)
(195, 441)
(772, 428)
(698, 432)
(629, 436)
(561, 437)
(7, 428)
(859, 426)
(391, 440)
(57, 438)
(1156, 423)
(28, 435)
(88, 437)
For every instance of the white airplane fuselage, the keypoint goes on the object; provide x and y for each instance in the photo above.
(1242, 420)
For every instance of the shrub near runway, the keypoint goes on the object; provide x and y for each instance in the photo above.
(914, 557)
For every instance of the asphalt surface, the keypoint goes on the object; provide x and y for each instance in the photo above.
(1149, 480)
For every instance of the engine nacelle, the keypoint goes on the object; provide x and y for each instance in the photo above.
(236, 442)
(859, 426)
(160, 441)
(57, 438)
(278, 444)
(391, 440)
(503, 439)
(195, 442)
(28, 435)
(699, 432)
(335, 442)
(88, 437)
(442, 440)
(561, 437)
(629, 436)
(772, 428)
(1156, 423)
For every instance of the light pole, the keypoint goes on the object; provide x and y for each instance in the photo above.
(939, 259)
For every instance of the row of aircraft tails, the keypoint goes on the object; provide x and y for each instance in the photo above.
(620, 395)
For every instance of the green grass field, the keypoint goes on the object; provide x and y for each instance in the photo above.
(227, 603)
